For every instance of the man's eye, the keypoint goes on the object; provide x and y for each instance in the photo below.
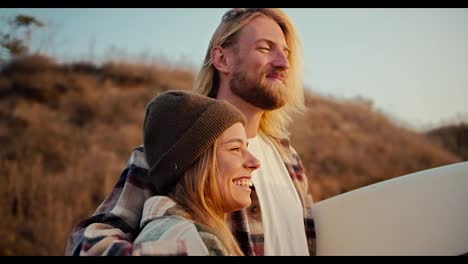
(235, 149)
(264, 48)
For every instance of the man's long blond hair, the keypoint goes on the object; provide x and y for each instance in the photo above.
(199, 193)
(273, 123)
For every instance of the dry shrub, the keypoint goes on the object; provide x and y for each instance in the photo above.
(29, 64)
(454, 138)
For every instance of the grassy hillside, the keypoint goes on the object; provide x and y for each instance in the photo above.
(68, 129)
(345, 145)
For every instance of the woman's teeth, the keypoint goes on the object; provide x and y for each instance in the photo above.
(243, 182)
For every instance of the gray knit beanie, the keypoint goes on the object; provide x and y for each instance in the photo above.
(180, 126)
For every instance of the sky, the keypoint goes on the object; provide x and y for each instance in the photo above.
(411, 63)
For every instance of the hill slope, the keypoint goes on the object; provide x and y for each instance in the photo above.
(345, 145)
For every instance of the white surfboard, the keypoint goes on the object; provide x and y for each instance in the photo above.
(423, 213)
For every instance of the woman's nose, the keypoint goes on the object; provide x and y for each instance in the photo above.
(251, 161)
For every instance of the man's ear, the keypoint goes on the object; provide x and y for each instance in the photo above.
(221, 59)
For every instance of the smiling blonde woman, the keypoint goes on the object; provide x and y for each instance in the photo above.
(200, 168)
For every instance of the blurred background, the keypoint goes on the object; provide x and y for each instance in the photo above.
(385, 91)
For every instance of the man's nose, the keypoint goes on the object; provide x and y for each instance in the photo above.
(281, 60)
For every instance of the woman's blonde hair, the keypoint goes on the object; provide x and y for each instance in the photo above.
(199, 193)
(273, 123)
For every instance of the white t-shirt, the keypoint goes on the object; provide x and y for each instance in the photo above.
(282, 214)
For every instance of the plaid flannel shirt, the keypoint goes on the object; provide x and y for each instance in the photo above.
(166, 231)
(116, 222)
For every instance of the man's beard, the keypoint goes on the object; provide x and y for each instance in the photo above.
(252, 90)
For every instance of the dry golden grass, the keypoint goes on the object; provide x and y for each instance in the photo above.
(67, 132)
